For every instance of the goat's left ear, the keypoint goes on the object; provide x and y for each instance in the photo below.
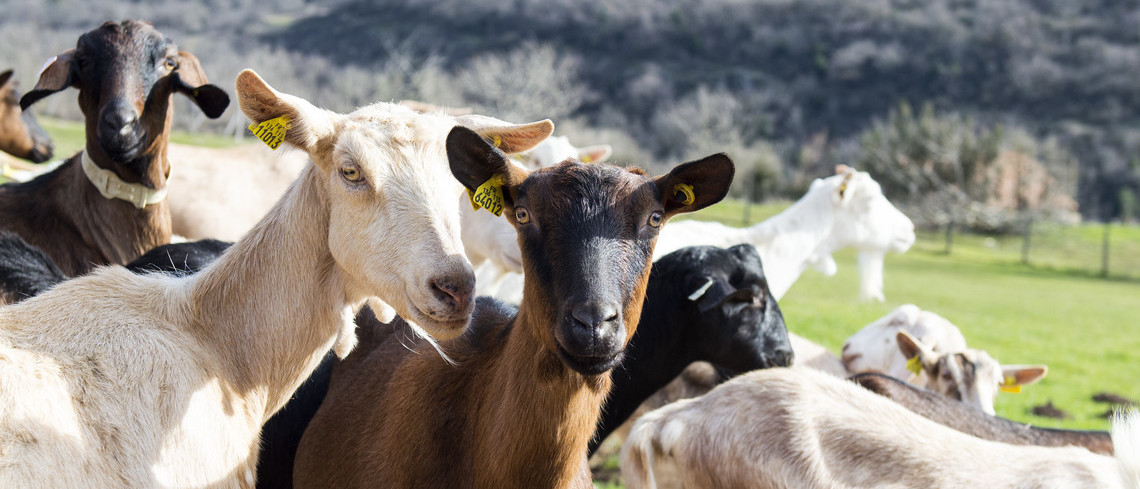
(1013, 375)
(595, 154)
(919, 355)
(695, 185)
(474, 161)
(190, 80)
(57, 74)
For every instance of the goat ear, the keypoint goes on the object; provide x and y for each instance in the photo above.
(260, 102)
(5, 76)
(843, 192)
(511, 138)
(474, 161)
(190, 80)
(595, 154)
(57, 74)
(912, 347)
(695, 185)
(711, 293)
(1022, 374)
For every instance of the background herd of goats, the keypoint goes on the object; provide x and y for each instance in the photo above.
(333, 339)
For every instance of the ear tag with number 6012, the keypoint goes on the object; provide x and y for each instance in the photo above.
(488, 196)
(272, 131)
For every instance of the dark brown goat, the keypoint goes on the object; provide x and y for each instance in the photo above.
(20, 135)
(105, 204)
(964, 418)
(520, 405)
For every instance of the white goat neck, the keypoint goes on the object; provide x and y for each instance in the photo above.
(113, 187)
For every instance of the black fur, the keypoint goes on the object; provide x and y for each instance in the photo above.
(25, 271)
(736, 325)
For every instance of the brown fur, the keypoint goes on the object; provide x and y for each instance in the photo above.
(61, 212)
(20, 136)
(511, 413)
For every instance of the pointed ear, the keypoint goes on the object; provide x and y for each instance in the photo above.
(912, 347)
(595, 154)
(5, 76)
(695, 185)
(190, 80)
(474, 161)
(510, 138)
(842, 194)
(1022, 374)
(58, 73)
(308, 125)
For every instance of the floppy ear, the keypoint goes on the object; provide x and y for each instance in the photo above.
(474, 161)
(695, 185)
(5, 76)
(843, 193)
(307, 125)
(1022, 374)
(57, 74)
(190, 80)
(595, 154)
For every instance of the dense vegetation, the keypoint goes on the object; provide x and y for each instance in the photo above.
(788, 87)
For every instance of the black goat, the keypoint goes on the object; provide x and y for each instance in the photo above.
(703, 304)
(25, 270)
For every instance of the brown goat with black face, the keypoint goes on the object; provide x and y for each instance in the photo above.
(520, 405)
(106, 204)
(20, 134)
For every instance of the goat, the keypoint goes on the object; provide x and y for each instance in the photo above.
(491, 244)
(522, 401)
(106, 204)
(942, 362)
(780, 428)
(25, 271)
(702, 303)
(20, 135)
(948, 412)
(120, 380)
(847, 209)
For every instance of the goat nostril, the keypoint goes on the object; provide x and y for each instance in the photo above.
(593, 315)
(448, 290)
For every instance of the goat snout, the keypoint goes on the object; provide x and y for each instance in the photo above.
(119, 129)
(781, 356)
(454, 291)
(591, 337)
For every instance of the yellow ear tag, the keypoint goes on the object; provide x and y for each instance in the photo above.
(914, 365)
(587, 159)
(1008, 386)
(687, 193)
(272, 131)
(488, 196)
(496, 141)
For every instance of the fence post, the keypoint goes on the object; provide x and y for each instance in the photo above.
(1104, 250)
(1025, 241)
(949, 235)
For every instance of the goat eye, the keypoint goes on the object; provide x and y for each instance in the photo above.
(171, 63)
(522, 215)
(350, 173)
(655, 219)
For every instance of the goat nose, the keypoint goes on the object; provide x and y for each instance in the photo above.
(120, 117)
(594, 314)
(783, 357)
(456, 291)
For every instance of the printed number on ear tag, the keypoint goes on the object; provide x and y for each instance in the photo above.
(272, 131)
(1008, 386)
(914, 365)
(683, 192)
(488, 196)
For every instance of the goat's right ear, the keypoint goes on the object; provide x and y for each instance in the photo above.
(58, 73)
(307, 124)
(474, 161)
(511, 138)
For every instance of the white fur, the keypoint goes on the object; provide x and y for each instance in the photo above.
(118, 380)
(791, 428)
(807, 233)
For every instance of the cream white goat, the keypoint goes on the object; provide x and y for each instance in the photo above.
(847, 209)
(799, 428)
(947, 365)
(119, 380)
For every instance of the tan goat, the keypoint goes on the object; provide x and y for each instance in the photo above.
(801, 428)
(119, 380)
